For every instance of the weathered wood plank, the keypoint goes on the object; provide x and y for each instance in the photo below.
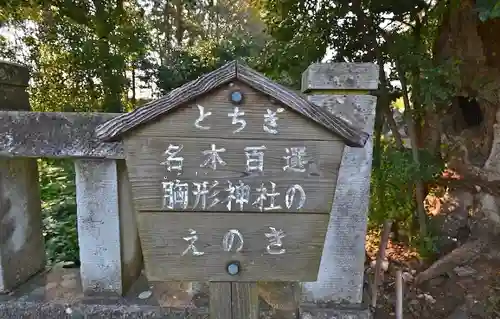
(317, 181)
(181, 121)
(340, 76)
(220, 300)
(53, 134)
(229, 72)
(283, 297)
(351, 134)
(174, 98)
(162, 241)
(47, 134)
(245, 300)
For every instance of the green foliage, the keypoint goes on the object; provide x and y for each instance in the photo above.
(427, 246)
(402, 36)
(190, 38)
(431, 83)
(188, 64)
(395, 175)
(79, 51)
(58, 192)
(86, 55)
(301, 33)
(392, 191)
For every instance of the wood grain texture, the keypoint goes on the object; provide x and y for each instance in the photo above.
(174, 98)
(318, 181)
(220, 306)
(281, 296)
(245, 300)
(229, 72)
(340, 76)
(180, 122)
(163, 244)
(350, 133)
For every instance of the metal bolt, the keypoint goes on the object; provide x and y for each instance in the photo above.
(233, 268)
(236, 97)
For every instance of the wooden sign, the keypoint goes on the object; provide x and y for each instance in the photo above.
(233, 178)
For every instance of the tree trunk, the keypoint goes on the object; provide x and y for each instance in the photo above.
(474, 150)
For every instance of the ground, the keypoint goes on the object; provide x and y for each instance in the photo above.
(467, 291)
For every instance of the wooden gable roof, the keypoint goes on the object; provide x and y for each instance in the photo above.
(114, 128)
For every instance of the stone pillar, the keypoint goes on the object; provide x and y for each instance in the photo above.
(131, 251)
(343, 88)
(110, 252)
(22, 252)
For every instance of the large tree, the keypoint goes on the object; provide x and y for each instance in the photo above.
(395, 34)
(470, 122)
(80, 51)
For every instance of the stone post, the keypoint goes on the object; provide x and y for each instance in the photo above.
(110, 252)
(22, 252)
(343, 88)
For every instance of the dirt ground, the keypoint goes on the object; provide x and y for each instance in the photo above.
(466, 291)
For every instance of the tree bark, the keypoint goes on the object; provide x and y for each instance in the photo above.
(419, 187)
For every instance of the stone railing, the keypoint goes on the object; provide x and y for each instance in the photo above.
(110, 252)
(107, 234)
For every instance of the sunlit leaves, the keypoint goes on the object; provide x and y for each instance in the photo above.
(80, 51)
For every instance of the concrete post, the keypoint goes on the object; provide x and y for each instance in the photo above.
(342, 88)
(110, 253)
(22, 252)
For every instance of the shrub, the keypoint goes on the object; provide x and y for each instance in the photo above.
(58, 194)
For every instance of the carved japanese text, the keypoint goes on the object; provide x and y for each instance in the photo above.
(175, 194)
(213, 158)
(236, 120)
(296, 160)
(233, 241)
(201, 118)
(255, 158)
(229, 239)
(191, 239)
(271, 121)
(275, 246)
(232, 195)
(266, 200)
(173, 162)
